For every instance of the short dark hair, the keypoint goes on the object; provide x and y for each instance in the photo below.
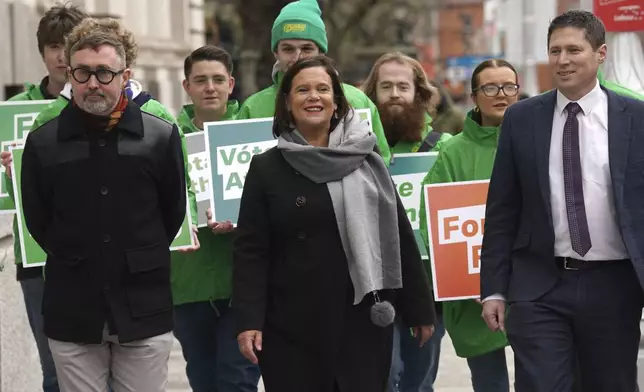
(283, 121)
(208, 53)
(492, 63)
(594, 30)
(57, 23)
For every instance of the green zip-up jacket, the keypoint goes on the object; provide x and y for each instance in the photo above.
(206, 274)
(262, 104)
(467, 156)
(32, 93)
(53, 110)
(407, 147)
(621, 90)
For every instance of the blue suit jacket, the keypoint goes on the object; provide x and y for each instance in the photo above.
(517, 259)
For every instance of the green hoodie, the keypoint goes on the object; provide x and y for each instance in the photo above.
(206, 274)
(621, 90)
(407, 147)
(53, 110)
(32, 93)
(467, 156)
(262, 104)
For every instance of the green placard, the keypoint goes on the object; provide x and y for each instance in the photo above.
(32, 253)
(16, 119)
(408, 172)
(184, 238)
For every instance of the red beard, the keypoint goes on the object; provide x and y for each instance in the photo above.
(406, 125)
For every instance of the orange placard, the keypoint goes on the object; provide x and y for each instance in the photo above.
(456, 214)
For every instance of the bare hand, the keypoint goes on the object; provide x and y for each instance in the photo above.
(197, 246)
(494, 314)
(249, 341)
(424, 332)
(218, 227)
(6, 159)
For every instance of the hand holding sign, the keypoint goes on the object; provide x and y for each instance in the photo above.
(196, 246)
(219, 227)
(6, 159)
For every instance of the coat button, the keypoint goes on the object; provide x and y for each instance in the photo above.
(107, 238)
(301, 236)
(300, 201)
(104, 190)
(102, 142)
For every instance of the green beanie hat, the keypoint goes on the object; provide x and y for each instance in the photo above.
(300, 20)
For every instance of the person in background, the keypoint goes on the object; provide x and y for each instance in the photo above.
(202, 281)
(564, 222)
(469, 156)
(319, 222)
(446, 116)
(399, 86)
(104, 195)
(57, 22)
(299, 32)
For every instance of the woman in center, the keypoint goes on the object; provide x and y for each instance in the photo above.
(324, 250)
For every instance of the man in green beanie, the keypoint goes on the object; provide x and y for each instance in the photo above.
(299, 32)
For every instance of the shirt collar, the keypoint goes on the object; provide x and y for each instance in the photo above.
(587, 102)
(68, 122)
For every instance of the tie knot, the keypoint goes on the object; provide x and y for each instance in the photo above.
(573, 108)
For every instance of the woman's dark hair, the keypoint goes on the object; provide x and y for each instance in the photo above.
(283, 121)
(492, 63)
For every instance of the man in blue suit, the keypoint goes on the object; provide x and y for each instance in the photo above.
(564, 231)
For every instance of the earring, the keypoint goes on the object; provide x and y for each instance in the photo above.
(476, 109)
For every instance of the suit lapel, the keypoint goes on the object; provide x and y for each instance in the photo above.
(542, 134)
(619, 133)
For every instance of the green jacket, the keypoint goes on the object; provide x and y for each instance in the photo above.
(32, 93)
(262, 104)
(467, 156)
(53, 110)
(407, 147)
(621, 90)
(206, 274)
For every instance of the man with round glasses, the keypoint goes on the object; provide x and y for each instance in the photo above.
(104, 194)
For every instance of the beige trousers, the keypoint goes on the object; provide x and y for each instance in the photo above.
(139, 366)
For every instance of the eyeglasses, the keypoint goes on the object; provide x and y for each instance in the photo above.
(103, 76)
(492, 90)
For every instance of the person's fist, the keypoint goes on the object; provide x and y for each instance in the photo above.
(6, 159)
(494, 314)
(249, 341)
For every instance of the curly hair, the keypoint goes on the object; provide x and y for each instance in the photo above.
(92, 33)
(424, 90)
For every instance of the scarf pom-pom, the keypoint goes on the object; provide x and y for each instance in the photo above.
(382, 313)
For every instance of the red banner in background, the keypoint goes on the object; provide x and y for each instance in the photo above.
(620, 15)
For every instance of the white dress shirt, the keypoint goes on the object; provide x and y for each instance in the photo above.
(607, 243)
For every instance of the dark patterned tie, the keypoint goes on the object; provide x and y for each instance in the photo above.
(574, 191)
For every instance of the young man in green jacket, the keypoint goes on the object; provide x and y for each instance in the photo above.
(399, 86)
(202, 281)
(299, 32)
(57, 22)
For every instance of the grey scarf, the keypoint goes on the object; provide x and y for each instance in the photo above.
(363, 196)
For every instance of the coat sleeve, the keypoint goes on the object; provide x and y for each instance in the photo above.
(502, 214)
(172, 190)
(251, 254)
(415, 301)
(36, 200)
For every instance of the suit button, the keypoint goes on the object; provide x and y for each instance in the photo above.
(102, 142)
(104, 190)
(107, 238)
(300, 201)
(301, 236)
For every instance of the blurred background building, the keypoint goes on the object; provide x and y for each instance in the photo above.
(449, 37)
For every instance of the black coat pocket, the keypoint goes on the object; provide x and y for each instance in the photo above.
(148, 284)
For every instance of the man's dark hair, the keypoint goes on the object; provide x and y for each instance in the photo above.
(208, 53)
(283, 121)
(594, 30)
(58, 21)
